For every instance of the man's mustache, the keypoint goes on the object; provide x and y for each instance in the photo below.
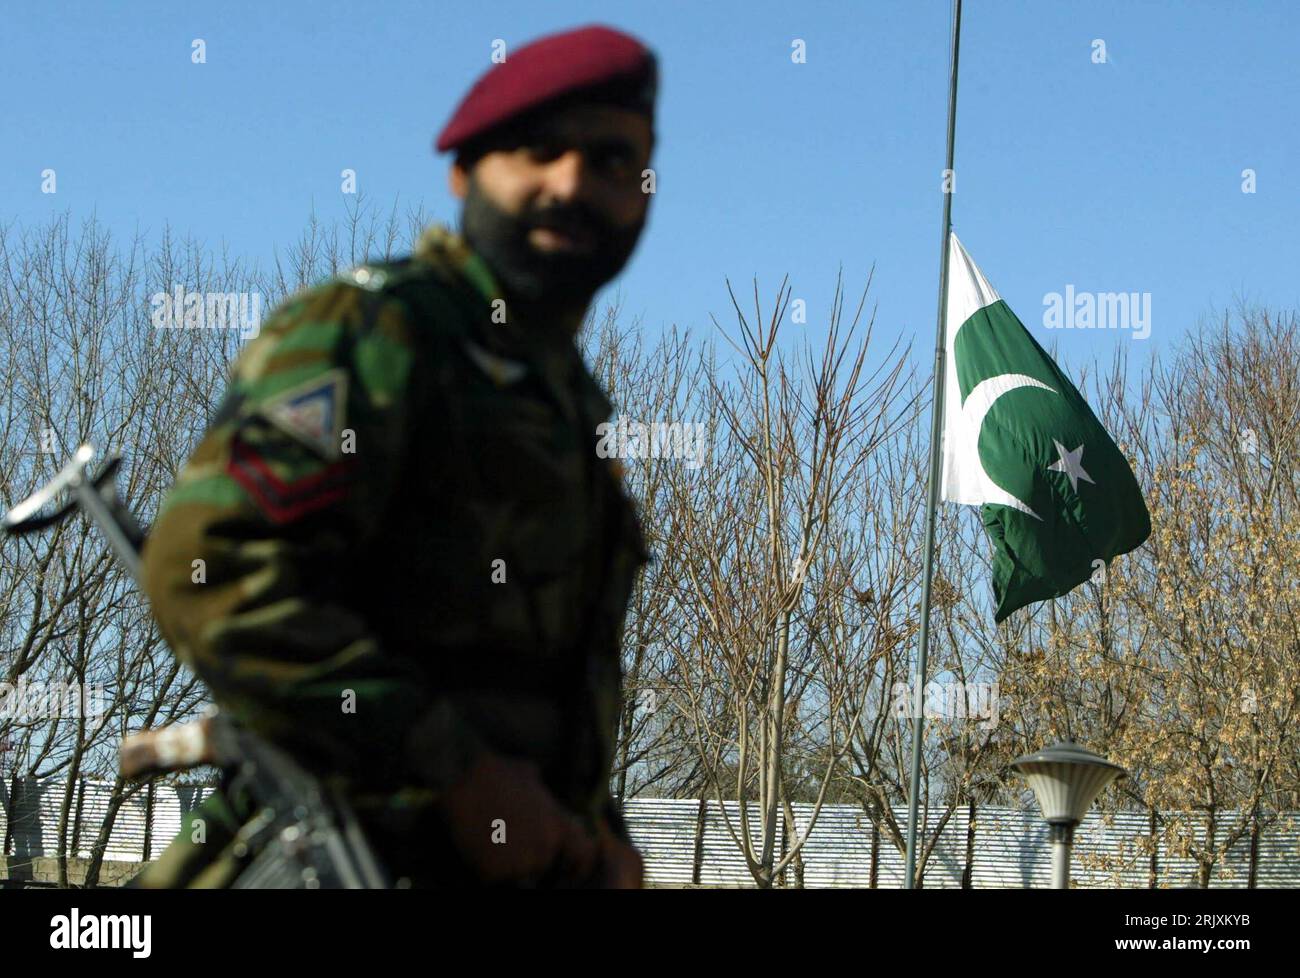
(569, 220)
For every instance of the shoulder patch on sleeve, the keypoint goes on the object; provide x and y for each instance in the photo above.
(280, 500)
(312, 412)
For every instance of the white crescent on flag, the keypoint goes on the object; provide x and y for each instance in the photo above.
(965, 479)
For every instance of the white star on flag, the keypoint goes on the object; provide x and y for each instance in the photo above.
(1071, 464)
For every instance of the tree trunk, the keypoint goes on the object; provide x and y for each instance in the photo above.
(1206, 861)
(875, 854)
(115, 801)
(967, 874)
(697, 861)
(1153, 870)
(12, 807)
(1252, 873)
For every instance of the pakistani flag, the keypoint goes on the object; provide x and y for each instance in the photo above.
(1055, 492)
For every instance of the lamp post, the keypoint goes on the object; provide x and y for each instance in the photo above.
(1066, 780)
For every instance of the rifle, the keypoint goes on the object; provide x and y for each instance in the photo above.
(304, 834)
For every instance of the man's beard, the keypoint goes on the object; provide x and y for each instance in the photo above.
(556, 279)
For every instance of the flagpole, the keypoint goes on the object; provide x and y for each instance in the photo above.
(936, 438)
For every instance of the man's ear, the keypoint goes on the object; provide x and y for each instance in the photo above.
(458, 181)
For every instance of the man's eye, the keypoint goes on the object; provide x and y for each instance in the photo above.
(616, 159)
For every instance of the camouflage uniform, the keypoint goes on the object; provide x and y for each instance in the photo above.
(385, 455)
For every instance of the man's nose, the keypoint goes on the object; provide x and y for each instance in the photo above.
(567, 175)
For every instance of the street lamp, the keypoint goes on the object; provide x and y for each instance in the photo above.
(1066, 780)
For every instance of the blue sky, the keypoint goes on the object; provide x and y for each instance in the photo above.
(1117, 177)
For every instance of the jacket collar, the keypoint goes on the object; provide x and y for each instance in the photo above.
(550, 350)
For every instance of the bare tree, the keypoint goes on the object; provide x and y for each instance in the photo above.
(773, 644)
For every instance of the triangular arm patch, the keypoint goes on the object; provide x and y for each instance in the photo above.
(313, 412)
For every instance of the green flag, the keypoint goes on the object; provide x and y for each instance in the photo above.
(1057, 496)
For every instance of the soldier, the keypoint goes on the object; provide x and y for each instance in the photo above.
(395, 553)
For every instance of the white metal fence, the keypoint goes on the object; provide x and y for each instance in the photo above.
(1010, 849)
(684, 842)
(31, 828)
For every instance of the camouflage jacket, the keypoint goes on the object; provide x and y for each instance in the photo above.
(396, 543)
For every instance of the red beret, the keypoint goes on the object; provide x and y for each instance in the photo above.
(596, 58)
